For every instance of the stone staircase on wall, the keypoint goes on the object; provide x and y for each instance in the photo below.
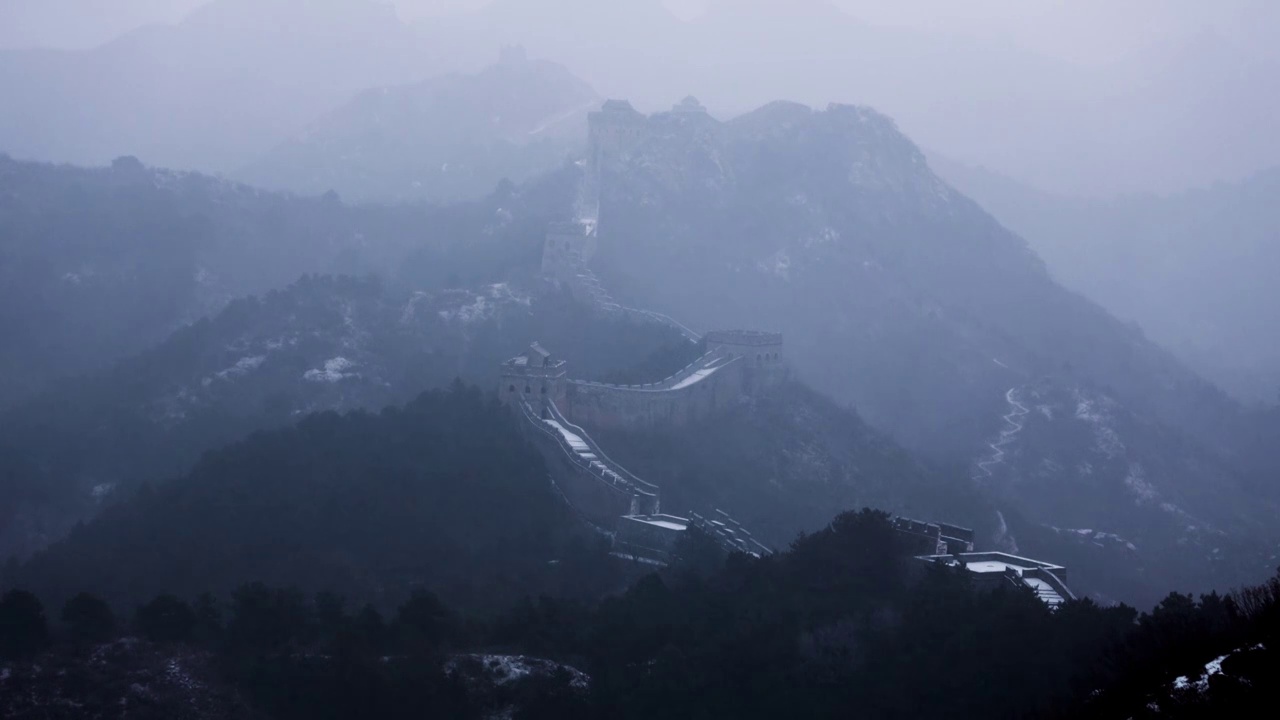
(594, 484)
(604, 493)
(599, 489)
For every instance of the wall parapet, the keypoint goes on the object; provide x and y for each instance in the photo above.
(660, 386)
(559, 417)
(751, 338)
(630, 494)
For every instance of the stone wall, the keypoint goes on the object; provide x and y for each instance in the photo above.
(614, 131)
(591, 494)
(568, 247)
(519, 382)
(621, 406)
(679, 403)
(765, 364)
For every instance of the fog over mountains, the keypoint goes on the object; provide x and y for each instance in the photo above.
(1194, 78)
(1195, 269)
(580, 359)
(512, 120)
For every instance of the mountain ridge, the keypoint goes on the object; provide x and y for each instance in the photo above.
(445, 139)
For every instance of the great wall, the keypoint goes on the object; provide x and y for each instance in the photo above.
(738, 365)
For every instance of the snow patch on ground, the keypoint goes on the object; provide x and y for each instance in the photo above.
(1107, 440)
(243, 366)
(1096, 537)
(1137, 483)
(335, 370)
(178, 676)
(1211, 668)
(483, 305)
(477, 310)
(778, 264)
(824, 236)
(506, 669)
(410, 311)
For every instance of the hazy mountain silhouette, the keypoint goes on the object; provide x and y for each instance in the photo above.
(445, 139)
(1195, 270)
(212, 92)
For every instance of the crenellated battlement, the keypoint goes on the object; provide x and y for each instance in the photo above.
(738, 365)
(535, 383)
(534, 376)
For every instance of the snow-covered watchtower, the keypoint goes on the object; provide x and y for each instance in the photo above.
(534, 376)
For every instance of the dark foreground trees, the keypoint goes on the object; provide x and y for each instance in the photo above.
(842, 622)
(24, 630)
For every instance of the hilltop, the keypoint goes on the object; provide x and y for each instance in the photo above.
(904, 298)
(445, 139)
(1195, 269)
(320, 344)
(102, 263)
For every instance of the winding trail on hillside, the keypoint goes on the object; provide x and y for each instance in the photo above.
(1014, 420)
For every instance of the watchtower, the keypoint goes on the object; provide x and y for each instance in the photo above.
(535, 376)
(760, 349)
(616, 125)
(569, 247)
(689, 106)
(760, 352)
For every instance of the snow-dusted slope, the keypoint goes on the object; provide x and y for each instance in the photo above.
(902, 296)
(322, 344)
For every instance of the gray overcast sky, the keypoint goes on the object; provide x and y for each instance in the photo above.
(1147, 94)
(1086, 31)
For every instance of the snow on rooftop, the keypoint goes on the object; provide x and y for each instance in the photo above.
(985, 566)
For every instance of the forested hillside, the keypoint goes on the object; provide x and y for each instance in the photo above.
(322, 343)
(903, 297)
(97, 264)
(1196, 270)
(367, 505)
(841, 620)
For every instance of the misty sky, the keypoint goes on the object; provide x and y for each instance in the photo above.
(1151, 95)
(1085, 31)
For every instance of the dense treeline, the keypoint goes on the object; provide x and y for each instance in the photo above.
(781, 463)
(254, 366)
(442, 493)
(838, 624)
